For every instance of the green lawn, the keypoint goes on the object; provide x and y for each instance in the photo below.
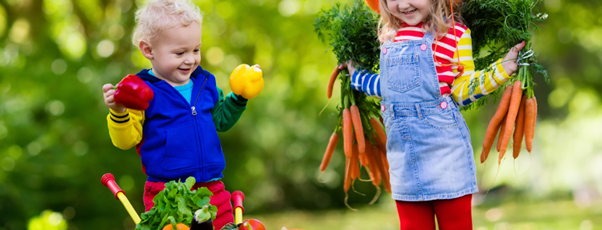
(562, 215)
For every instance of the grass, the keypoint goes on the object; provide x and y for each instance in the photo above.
(564, 215)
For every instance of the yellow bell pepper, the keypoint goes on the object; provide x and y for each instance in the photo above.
(246, 81)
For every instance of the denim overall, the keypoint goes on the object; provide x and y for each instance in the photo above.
(429, 151)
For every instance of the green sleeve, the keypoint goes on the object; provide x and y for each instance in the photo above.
(228, 110)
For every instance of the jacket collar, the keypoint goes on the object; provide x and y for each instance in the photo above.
(144, 75)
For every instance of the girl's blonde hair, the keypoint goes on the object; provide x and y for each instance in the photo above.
(439, 20)
(162, 14)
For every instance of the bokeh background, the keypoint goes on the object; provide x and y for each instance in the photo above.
(54, 146)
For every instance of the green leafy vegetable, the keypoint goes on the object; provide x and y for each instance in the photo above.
(351, 33)
(176, 203)
(497, 26)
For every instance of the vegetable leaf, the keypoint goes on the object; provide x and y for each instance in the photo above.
(497, 26)
(351, 33)
(176, 203)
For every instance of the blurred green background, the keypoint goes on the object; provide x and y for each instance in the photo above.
(54, 146)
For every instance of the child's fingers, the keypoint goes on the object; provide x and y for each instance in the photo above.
(110, 100)
(107, 87)
(518, 47)
(509, 62)
(350, 66)
(109, 93)
(514, 51)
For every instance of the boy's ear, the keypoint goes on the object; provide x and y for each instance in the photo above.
(146, 49)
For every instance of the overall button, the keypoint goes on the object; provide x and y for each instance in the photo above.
(423, 47)
(384, 50)
(382, 108)
(443, 105)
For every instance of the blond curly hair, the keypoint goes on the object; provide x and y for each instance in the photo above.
(438, 20)
(157, 15)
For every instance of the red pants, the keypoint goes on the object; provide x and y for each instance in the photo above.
(454, 214)
(220, 198)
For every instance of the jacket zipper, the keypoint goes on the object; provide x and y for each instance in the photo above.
(194, 113)
(197, 98)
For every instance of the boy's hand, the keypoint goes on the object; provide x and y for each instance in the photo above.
(108, 93)
(509, 62)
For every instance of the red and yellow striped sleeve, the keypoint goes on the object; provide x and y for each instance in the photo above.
(486, 81)
(125, 128)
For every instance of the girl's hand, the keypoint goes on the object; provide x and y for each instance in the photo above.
(509, 62)
(108, 92)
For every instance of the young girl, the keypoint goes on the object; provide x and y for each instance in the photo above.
(426, 66)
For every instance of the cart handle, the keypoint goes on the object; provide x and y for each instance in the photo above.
(109, 181)
(237, 198)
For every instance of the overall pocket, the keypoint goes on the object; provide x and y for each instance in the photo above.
(404, 73)
(443, 120)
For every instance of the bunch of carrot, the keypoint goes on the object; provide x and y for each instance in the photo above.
(364, 138)
(351, 35)
(517, 111)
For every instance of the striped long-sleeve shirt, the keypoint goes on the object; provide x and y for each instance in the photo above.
(446, 52)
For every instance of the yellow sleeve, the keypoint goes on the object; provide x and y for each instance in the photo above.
(125, 128)
(487, 80)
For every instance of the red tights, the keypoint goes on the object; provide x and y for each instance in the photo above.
(454, 214)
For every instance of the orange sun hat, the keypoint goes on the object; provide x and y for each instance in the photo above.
(373, 4)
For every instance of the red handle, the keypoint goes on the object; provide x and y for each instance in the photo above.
(109, 181)
(237, 198)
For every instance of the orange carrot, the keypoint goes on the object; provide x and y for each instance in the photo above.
(534, 117)
(355, 170)
(379, 165)
(373, 172)
(347, 182)
(332, 144)
(333, 77)
(374, 177)
(363, 160)
(357, 126)
(347, 133)
(385, 162)
(517, 93)
(379, 143)
(179, 226)
(384, 166)
(381, 136)
(502, 130)
(519, 131)
(530, 119)
(493, 126)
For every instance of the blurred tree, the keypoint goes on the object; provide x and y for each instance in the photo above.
(48, 220)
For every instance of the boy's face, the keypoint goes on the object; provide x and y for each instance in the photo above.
(411, 12)
(176, 53)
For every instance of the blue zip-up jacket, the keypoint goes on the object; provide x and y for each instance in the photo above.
(180, 138)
